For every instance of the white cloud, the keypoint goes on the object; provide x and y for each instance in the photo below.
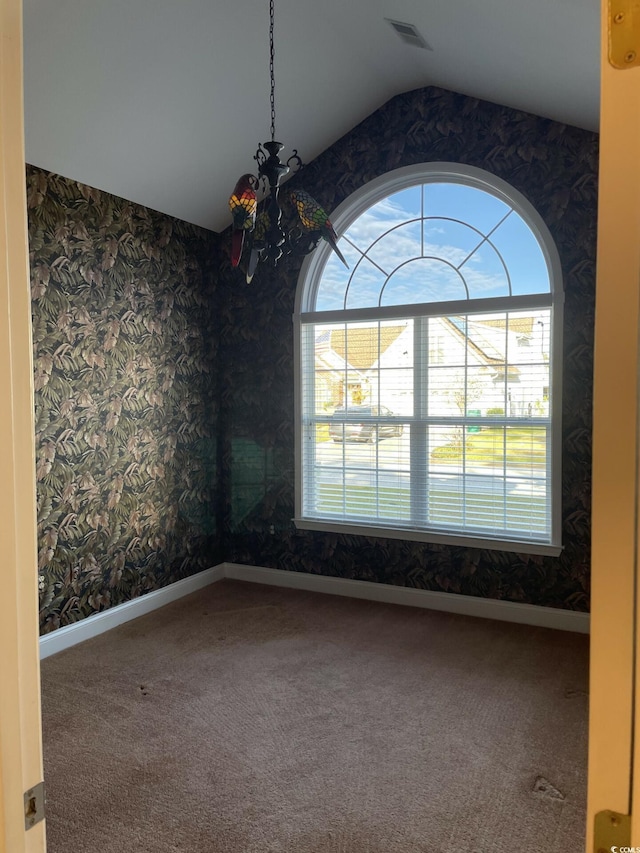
(387, 235)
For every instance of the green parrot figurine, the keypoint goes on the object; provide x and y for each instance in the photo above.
(314, 218)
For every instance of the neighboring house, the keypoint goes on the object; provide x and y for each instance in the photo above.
(335, 379)
(374, 364)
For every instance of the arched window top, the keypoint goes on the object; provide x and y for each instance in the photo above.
(433, 233)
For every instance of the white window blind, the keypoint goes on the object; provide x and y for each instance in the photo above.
(428, 376)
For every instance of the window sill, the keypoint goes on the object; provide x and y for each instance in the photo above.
(414, 535)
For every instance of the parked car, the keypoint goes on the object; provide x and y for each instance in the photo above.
(365, 429)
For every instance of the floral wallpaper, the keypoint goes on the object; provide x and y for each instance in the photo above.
(126, 355)
(555, 167)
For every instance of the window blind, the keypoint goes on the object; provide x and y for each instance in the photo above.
(433, 422)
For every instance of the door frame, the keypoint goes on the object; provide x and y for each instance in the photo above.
(613, 686)
(20, 719)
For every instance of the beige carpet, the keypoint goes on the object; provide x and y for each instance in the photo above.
(250, 719)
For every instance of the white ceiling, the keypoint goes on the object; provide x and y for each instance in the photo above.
(164, 101)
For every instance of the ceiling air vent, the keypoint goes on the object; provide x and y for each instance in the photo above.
(409, 34)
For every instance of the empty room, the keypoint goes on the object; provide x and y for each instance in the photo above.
(321, 431)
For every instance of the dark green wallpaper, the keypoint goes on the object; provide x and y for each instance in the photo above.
(126, 361)
(554, 166)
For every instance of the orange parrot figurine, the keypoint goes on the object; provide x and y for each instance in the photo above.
(243, 204)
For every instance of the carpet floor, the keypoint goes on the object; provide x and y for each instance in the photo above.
(253, 719)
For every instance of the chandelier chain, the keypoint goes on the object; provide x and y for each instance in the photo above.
(268, 236)
(271, 73)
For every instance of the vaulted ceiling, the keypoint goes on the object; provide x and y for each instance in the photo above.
(164, 101)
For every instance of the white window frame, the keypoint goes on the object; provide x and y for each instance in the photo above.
(310, 276)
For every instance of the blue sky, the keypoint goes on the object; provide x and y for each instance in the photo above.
(395, 257)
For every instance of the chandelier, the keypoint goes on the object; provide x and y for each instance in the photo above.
(262, 230)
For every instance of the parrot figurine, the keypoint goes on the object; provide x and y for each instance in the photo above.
(313, 218)
(243, 204)
(257, 241)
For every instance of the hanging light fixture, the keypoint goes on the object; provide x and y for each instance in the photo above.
(262, 230)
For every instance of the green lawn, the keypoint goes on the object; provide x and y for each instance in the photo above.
(525, 448)
(322, 433)
(363, 500)
(515, 512)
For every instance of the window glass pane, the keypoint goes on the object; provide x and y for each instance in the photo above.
(393, 452)
(528, 391)
(485, 273)
(487, 334)
(501, 471)
(361, 493)
(361, 478)
(484, 394)
(446, 392)
(361, 345)
(380, 217)
(485, 502)
(528, 375)
(526, 451)
(446, 343)
(449, 240)
(423, 280)
(444, 452)
(396, 343)
(324, 385)
(396, 390)
(444, 501)
(365, 285)
(480, 209)
(397, 246)
(408, 201)
(523, 256)
(383, 355)
(527, 507)
(334, 281)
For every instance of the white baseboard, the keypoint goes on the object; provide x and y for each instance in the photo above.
(466, 605)
(92, 626)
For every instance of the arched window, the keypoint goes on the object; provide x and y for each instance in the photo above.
(428, 372)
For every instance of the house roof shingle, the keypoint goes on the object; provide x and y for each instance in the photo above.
(360, 349)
